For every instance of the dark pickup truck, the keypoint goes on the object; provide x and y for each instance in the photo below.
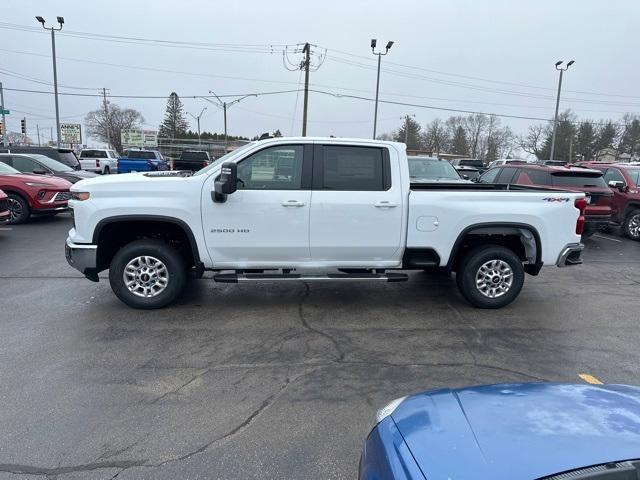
(192, 160)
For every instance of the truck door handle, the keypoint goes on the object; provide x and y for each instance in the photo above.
(293, 203)
(384, 204)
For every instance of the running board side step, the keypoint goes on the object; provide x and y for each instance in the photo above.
(257, 277)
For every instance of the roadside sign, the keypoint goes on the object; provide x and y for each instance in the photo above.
(139, 138)
(5, 112)
(71, 133)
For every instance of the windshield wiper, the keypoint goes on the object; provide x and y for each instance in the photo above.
(626, 470)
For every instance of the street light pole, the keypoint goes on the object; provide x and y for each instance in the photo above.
(379, 54)
(555, 118)
(198, 120)
(224, 106)
(55, 69)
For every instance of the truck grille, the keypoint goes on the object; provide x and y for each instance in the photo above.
(62, 197)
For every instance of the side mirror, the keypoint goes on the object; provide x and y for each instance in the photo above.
(466, 177)
(227, 182)
(617, 184)
(39, 171)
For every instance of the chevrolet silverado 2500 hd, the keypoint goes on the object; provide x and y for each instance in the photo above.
(335, 209)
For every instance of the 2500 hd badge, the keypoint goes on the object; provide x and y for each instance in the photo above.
(230, 230)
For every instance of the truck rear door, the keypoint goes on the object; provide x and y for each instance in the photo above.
(356, 205)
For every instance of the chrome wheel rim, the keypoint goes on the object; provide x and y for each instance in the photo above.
(634, 226)
(15, 210)
(494, 278)
(146, 276)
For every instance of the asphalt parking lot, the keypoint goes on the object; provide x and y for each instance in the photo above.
(271, 380)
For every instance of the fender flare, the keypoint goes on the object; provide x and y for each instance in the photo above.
(532, 268)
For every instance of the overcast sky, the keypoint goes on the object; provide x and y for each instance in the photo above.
(459, 51)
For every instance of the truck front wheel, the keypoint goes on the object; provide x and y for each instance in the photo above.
(631, 226)
(147, 274)
(490, 276)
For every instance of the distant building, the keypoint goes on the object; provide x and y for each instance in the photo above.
(611, 155)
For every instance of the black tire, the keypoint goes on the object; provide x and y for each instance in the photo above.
(176, 273)
(630, 227)
(106, 170)
(19, 211)
(470, 267)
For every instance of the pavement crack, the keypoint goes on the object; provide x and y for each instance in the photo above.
(184, 385)
(317, 331)
(242, 426)
(34, 470)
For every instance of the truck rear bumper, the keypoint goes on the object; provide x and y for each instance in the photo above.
(82, 257)
(570, 255)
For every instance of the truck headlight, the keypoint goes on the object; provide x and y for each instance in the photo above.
(388, 409)
(80, 196)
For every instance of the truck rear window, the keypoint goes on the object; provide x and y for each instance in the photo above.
(471, 163)
(142, 155)
(68, 158)
(572, 179)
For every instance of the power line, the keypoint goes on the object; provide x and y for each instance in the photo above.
(28, 78)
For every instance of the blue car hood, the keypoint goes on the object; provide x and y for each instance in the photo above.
(519, 431)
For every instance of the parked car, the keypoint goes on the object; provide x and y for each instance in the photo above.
(507, 161)
(507, 432)
(99, 160)
(433, 170)
(42, 165)
(32, 194)
(553, 163)
(192, 160)
(468, 173)
(591, 182)
(142, 161)
(346, 208)
(624, 181)
(4, 207)
(469, 162)
(62, 155)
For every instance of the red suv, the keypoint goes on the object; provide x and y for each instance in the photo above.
(624, 181)
(591, 182)
(4, 207)
(32, 194)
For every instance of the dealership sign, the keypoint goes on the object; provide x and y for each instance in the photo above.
(139, 138)
(71, 133)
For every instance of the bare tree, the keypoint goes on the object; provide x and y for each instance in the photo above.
(107, 127)
(533, 141)
(475, 125)
(436, 136)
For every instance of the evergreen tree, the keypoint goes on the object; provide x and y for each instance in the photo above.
(412, 138)
(174, 124)
(459, 144)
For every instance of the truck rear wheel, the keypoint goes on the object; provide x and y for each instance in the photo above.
(490, 276)
(147, 274)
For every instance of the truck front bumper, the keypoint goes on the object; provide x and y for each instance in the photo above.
(82, 257)
(570, 255)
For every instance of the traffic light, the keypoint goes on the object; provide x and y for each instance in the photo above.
(23, 125)
(1, 128)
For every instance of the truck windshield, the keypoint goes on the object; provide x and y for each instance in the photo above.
(224, 158)
(431, 169)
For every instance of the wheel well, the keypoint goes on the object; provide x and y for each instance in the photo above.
(114, 235)
(524, 242)
(629, 208)
(18, 193)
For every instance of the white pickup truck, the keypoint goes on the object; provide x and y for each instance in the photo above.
(99, 160)
(315, 209)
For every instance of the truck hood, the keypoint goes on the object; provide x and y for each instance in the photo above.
(519, 431)
(126, 181)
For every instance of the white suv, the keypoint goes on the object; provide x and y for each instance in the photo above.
(99, 160)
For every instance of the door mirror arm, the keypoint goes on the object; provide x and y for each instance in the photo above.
(226, 183)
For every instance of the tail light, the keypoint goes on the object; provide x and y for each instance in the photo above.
(97, 163)
(204, 164)
(581, 205)
(118, 164)
(150, 164)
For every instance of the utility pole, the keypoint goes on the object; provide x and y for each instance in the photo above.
(106, 116)
(4, 121)
(307, 61)
(555, 118)
(380, 55)
(55, 72)
(38, 130)
(305, 65)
